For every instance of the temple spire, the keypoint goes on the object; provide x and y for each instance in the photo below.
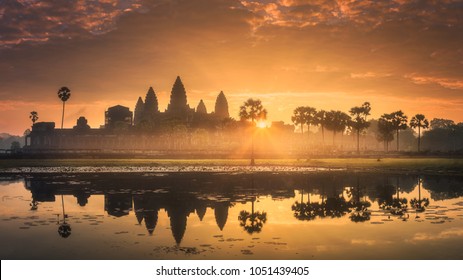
(139, 108)
(178, 106)
(151, 105)
(201, 109)
(221, 106)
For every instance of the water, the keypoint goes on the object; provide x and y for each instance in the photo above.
(241, 215)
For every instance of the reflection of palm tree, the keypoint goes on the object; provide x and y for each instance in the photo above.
(34, 205)
(360, 212)
(336, 207)
(254, 221)
(305, 211)
(396, 206)
(64, 230)
(419, 204)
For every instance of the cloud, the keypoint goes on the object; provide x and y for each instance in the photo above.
(368, 74)
(446, 234)
(34, 21)
(443, 82)
(366, 14)
(363, 242)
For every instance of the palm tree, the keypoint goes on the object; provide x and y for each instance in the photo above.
(299, 117)
(420, 121)
(337, 121)
(34, 117)
(64, 93)
(320, 119)
(304, 115)
(311, 118)
(359, 122)
(399, 122)
(385, 130)
(252, 110)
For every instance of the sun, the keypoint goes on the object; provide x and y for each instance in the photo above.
(261, 124)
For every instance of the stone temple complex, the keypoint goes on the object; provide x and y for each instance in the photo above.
(147, 113)
(144, 129)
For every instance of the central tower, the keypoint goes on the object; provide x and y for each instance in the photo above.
(178, 107)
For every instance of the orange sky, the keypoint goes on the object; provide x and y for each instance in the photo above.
(404, 55)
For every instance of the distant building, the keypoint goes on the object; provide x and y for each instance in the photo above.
(118, 116)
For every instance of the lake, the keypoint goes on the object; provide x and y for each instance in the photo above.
(231, 215)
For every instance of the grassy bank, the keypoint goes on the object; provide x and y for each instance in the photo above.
(402, 164)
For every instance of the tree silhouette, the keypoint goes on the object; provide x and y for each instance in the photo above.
(15, 146)
(252, 110)
(359, 120)
(399, 122)
(299, 117)
(444, 135)
(441, 123)
(34, 116)
(64, 93)
(385, 130)
(337, 121)
(419, 121)
(320, 119)
(252, 221)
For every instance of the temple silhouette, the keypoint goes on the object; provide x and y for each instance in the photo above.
(147, 113)
(122, 125)
(179, 129)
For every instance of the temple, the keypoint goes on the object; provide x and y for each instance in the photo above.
(147, 115)
(123, 127)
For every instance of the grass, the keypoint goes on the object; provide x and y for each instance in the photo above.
(403, 164)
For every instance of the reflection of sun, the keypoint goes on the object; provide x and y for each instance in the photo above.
(261, 124)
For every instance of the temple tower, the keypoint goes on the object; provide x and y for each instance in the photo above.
(178, 107)
(201, 109)
(151, 108)
(139, 108)
(221, 106)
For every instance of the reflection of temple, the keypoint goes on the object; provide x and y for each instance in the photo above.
(183, 194)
